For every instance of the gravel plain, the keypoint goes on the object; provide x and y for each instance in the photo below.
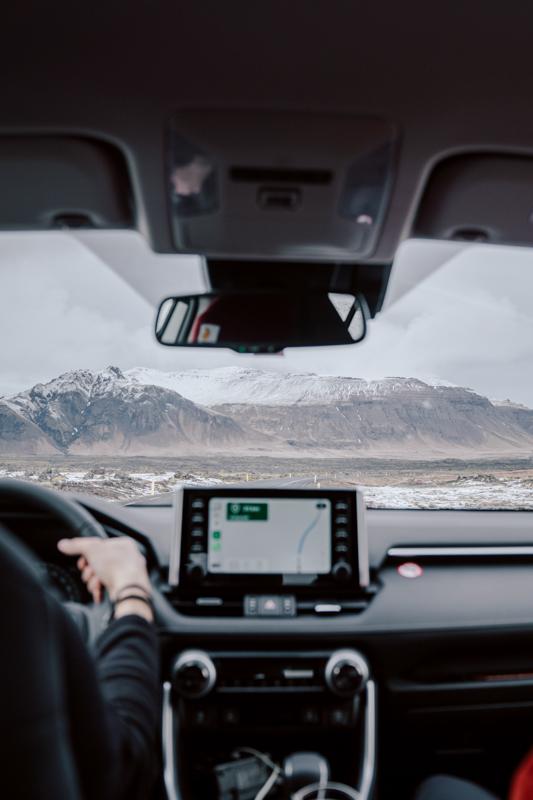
(387, 483)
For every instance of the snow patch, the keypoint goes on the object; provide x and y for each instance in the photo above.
(234, 385)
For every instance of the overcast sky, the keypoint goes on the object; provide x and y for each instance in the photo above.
(61, 308)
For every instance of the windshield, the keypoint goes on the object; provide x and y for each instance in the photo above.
(433, 410)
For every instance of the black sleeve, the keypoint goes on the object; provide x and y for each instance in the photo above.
(114, 709)
(128, 670)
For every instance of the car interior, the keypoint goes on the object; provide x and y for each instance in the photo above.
(312, 644)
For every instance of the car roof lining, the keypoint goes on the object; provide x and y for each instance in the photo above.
(436, 79)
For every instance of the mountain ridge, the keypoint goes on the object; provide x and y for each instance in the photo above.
(229, 385)
(106, 412)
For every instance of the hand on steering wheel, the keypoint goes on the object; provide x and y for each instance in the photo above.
(80, 526)
(115, 565)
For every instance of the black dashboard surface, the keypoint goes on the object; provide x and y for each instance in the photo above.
(386, 528)
(451, 648)
(453, 595)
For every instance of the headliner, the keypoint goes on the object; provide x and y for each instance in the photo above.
(452, 78)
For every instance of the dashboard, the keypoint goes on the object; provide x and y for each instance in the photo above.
(449, 646)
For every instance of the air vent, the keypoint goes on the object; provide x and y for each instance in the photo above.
(225, 607)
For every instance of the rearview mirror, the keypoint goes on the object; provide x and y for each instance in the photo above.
(261, 322)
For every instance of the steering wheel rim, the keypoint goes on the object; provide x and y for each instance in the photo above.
(76, 519)
(79, 522)
(89, 618)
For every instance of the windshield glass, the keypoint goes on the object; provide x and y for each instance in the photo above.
(433, 410)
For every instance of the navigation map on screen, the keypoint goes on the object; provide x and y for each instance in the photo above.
(277, 536)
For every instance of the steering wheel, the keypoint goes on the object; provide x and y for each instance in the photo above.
(91, 618)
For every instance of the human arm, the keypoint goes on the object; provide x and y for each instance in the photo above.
(126, 688)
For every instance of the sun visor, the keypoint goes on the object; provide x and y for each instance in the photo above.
(63, 182)
(479, 197)
(292, 186)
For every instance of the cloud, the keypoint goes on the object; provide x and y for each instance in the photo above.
(470, 323)
(61, 308)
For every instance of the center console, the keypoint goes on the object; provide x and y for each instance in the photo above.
(217, 701)
(265, 554)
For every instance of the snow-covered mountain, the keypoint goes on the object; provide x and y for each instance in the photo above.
(230, 385)
(237, 411)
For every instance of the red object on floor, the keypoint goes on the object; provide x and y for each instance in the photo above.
(522, 783)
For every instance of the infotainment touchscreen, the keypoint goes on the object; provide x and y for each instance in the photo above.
(275, 536)
(231, 542)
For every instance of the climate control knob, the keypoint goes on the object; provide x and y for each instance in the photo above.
(346, 673)
(194, 674)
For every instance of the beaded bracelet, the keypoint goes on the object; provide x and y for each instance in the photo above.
(141, 597)
(133, 586)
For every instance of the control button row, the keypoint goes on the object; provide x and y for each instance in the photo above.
(208, 717)
(336, 717)
(284, 680)
(269, 605)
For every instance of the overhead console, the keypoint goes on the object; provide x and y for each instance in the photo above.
(278, 185)
(264, 553)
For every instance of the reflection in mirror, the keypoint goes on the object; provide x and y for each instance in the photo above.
(261, 322)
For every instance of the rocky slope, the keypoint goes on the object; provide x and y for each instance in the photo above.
(415, 419)
(394, 416)
(107, 413)
(20, 436)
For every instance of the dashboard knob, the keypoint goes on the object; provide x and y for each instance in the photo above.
(346, 673)
(194, 674)
(342, 571)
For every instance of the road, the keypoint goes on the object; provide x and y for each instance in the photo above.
(165, 498)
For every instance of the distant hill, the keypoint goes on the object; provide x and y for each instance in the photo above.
(231, 410)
